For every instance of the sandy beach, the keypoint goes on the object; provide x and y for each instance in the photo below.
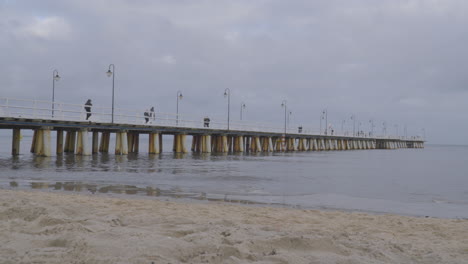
(46, 227)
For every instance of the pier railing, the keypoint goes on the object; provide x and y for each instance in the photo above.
(41, 109)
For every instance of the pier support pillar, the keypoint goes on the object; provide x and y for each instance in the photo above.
(42, 142)
(238, 144)
(82, 144)
(121, 144)
(15, 146)
(105, 140)
(279, 144)
(95, 142)
(59, 145)
(179, 143)
(153, 147)
(206, 143)
(133, 141)
(70, 141)
(302, 145)
(33, 143)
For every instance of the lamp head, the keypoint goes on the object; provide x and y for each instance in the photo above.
(243, 105)
(56, 77)
(180, 96)
(109, 73)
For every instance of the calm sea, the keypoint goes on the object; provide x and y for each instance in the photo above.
(423, 182)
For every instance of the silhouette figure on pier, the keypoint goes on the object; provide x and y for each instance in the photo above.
(87, 108)
(206, 122)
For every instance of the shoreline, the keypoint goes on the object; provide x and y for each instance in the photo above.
(51, 227)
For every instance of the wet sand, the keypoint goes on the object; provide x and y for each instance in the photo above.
(46, 227)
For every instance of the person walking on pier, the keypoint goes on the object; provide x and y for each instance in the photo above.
(152, 115)
(206, 122)
(147, 116)
(87, 108)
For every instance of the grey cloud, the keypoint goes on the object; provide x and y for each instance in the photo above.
(400, 61)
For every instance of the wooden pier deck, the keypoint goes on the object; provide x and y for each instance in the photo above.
(78, 135)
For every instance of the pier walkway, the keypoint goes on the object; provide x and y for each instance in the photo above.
(75, 134)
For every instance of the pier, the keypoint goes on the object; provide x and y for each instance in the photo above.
(74, 134)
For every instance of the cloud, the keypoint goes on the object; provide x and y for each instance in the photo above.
(398, 61)
(168, 59)
(47, 28)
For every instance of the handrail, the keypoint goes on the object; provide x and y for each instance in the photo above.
(26, 108)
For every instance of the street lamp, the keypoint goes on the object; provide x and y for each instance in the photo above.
(359, 127)
(353, 117)
(109, 74)
(55, 77)
(284, 104)
(242, 107)
(227, 93)
(342, 126)
(179, 97)
(396, 129)
(371, 122)
(289, 116)
(384, 128)
(325, 115)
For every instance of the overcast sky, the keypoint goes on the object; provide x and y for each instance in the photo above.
(402, 62)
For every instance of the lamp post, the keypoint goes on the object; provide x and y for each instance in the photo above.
(371, 122)
(405, 128)
(284, 104)
(289, 116)
(424, 133)
(325, 114)
(342, 126)
(109, 74)
(227, 93)
(179, 97)
(242, 107)
(396, 129)
(353, 117)
(55, 77)
(384, 128)
(359, 127)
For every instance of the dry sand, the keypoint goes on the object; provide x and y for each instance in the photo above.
(43, 227)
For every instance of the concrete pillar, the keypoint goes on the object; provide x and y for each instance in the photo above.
(95, 143)
(70, 141)
(15, 145)
(59, 145)
(290, 144)
(121, 144)
(206, 143)
(314, 144)
(179, 143)
(160, 142)
(225, 144)
(82, 144)
(238, 144)
(33, 143)
(42, 142)
(279, 146)
(105, 142)
(153, 147)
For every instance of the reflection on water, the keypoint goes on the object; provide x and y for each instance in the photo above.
(407, 181)
(129, 190)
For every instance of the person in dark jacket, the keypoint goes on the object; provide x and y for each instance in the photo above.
(147, 116)
(206, 122)
(152, 114)
(87, 108)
